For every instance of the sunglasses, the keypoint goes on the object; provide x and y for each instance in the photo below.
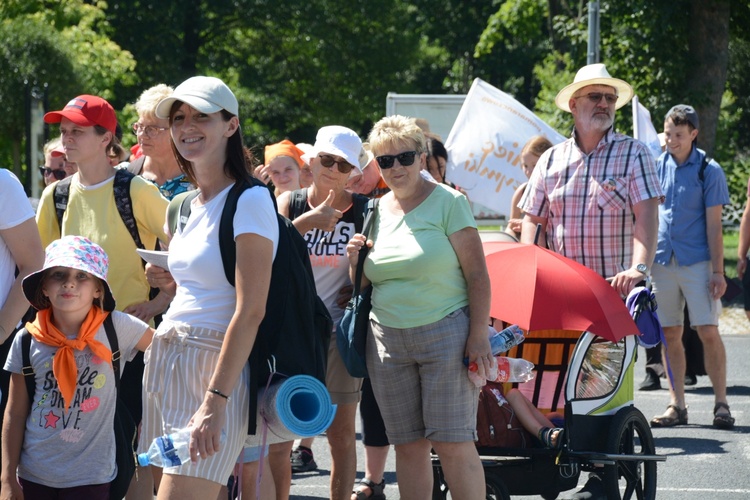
(328, 161)
(404, 159)
(595, 97)
(58, 173)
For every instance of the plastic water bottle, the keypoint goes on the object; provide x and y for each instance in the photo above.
(501, 342)
(513, 369)
(169, 450)
(505, 339)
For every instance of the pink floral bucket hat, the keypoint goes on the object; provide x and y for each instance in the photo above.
(75, 252)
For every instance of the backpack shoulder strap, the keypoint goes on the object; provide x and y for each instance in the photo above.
(227, 244)
(27, 370)
(136, 166)
(702, 171)
(178, 210)
(114, 346)
(124, 203)
(60, 195)
(297, 203)
(360, 204)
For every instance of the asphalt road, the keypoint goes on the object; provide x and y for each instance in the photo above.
(702, 462)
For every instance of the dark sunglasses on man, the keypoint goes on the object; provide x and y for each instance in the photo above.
(404, 159)
(328, 161)
(58, 173)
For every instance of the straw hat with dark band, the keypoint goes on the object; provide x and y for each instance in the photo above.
(594, 74)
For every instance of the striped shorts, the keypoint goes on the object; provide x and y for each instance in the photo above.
(179, 365)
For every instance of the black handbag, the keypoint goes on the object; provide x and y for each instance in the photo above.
(351, 332)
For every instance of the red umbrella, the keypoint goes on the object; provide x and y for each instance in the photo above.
(538, 289)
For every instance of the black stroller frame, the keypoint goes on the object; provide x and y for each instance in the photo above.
(604, 433)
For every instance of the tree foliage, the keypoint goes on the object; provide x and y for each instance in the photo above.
(296, 66)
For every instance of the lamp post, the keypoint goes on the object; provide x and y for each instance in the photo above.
(593, 44)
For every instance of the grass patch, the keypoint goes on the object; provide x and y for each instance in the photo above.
(731, 243)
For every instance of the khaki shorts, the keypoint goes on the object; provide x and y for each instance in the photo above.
(343, 388)
(675, 285)
(420, 381)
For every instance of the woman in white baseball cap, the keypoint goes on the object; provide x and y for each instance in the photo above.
(197, 374)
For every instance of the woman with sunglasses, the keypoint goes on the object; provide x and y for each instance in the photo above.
(54, 162)
(327, 222)
(430, 304)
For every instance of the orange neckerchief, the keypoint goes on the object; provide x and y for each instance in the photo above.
(64, 363)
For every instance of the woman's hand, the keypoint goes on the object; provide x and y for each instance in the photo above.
(158, 277)
(354, 246)
(207, 424)
(324, 216)
(478, 350)
(262, 173)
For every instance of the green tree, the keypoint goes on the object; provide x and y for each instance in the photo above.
(61, 48)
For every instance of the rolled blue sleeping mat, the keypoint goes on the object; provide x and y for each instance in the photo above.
(296, 407)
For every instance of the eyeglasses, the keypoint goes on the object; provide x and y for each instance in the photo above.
(328, 161)
(404, 159)
(595, 97)
(58, 173)
(149, 130)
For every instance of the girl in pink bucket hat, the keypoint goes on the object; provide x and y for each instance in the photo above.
(67, 427)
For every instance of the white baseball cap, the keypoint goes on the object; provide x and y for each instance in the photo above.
(207, 94)
(338, 141)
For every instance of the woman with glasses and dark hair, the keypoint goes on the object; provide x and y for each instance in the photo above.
(158, 163)
(430, 305)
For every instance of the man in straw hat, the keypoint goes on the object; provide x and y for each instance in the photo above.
(597, 194)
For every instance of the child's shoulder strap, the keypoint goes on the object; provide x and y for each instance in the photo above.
(178, 210)
(114, 346)
(27, 370)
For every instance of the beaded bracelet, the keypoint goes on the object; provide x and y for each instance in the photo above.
(218, 393)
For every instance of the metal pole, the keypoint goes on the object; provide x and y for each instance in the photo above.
(593, 44)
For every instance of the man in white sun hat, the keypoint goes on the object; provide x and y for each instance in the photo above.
(597, 194)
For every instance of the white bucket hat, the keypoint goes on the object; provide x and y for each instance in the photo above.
(339, 141)
(594, 74)
(207, 94)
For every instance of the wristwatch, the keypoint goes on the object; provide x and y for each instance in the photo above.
(642, 268)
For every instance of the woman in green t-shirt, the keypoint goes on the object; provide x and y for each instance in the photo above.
(430, 307)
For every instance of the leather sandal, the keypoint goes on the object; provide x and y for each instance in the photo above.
(667, 421)
(376, 490)
(723, 421)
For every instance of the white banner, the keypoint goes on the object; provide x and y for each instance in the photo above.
(485, 145)
(643, 128)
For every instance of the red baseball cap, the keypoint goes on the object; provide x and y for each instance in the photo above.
(86, 111)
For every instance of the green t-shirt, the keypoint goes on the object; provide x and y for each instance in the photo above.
(416, 276)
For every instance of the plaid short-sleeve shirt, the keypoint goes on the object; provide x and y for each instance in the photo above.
(588, 199)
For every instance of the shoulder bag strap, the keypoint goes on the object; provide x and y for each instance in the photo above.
(371, 211)
(27, 370)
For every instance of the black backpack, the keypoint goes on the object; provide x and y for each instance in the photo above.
(123, 201)
(124, 425)
(296, 328)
